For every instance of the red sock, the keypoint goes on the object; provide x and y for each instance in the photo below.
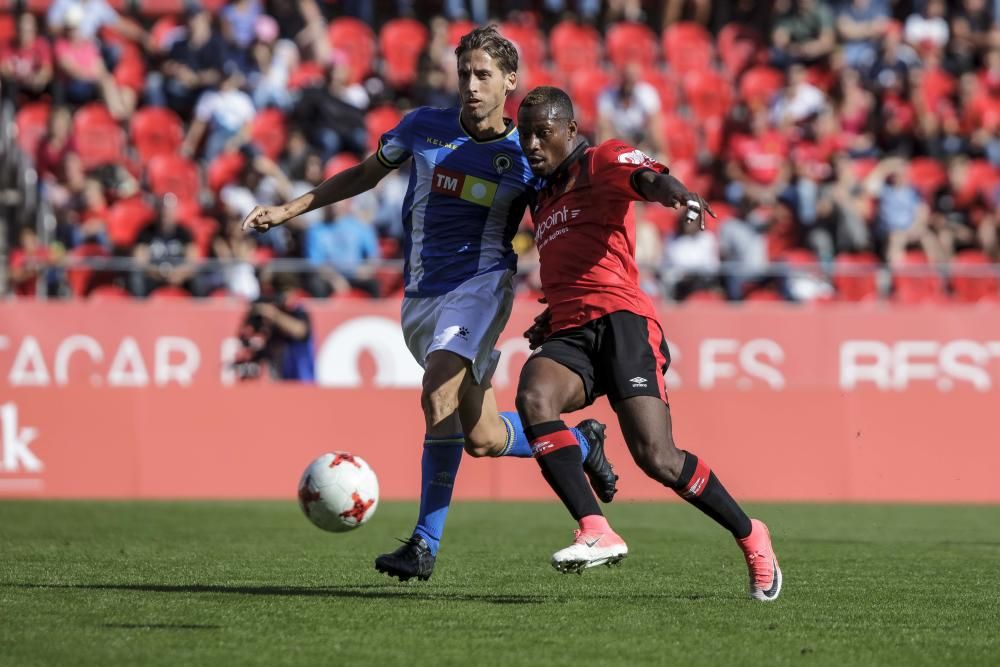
(595, 523)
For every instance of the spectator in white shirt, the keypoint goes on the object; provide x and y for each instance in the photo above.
(630, 110)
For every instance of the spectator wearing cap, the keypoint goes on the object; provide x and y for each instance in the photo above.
(861, 24)
(165, 254)
(26, 64)
(630, 110)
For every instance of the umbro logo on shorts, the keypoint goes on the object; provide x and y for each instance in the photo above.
(638, 381)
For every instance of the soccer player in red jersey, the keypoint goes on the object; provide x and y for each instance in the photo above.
(599, 334)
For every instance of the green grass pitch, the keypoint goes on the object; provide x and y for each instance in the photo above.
(255, 584)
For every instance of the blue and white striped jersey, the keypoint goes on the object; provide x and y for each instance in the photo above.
(464, 201)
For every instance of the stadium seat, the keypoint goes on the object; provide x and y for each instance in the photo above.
(339, 163)
(176, 174)
(737, 45)
(108, 293)
(130, 72)
(8, 28)
(664, 219)
(224, 169)
(708, 94)
(764, 294)
(155, 8)
(666, 85)
(390, 281)
(165, 31)
(307, 74)
(529, 42)
(156, 131)
(125, 220)
(936, 86)
(379, 121)
(585, 87)
(927, 175)
(628, 42)
(981, 182)
(81, 280)
(854, 277)
(389, 248)
(863, 167)
(169, 293)
(204, 230)
(32, 122)
(458, 29)
(268, 132)
(574, 47)
(974, 279)
(97, 137)
(356, 39)
(916, 281)
(680, 138)
(706, 296)
(401, 41)
(760, 84)
(687, 46)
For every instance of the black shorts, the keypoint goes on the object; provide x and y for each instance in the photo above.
(621, 354)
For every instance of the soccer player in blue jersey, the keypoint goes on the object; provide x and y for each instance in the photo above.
(469, 186)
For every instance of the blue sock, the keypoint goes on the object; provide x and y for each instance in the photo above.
(517, 441)
(438, 466)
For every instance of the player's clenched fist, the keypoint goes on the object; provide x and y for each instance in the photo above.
(263, 218)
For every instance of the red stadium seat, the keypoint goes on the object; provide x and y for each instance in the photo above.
(680, 138)
(176, 174)
(664, 219)
(307, 74)
(759, 84)
(125, 220)
(927, 175)
(629, 42)
(529, 42)
(401, 41)
(268, 132)
(854, 277)
(457, 30)
(8, 28)
(574, 47)
(32, 124)
(169, 293)
(738, 45)
(82, 280)
(130, 72)
(981, 181)
(339, 163)
(165, 31)
(973, 278)
(156, 131)
(108, 293)
(390, 281)
(764, 294)
(155, 8)
(357, 41)
(379, 121)
(708, 94)
(705, 296)
(204, 230)
(863, 167)
(224, 169)
(917, 281)
(687, 46)
(666, 85)
(585, 87)
(936, 86)
(98, 138)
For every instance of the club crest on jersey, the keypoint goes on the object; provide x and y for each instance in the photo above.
(502, 163)
(635, 157)
(456, 184)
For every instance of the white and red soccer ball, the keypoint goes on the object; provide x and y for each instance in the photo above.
(338, 492)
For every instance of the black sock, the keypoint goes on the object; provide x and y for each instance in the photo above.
(561, 460)
(699, 486)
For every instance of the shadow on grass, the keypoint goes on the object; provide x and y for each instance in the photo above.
(401, 592)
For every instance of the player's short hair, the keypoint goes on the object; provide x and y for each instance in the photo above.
(551, 97)
(487, 38)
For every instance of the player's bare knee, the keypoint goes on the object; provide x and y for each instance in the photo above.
(534, 405)
(659, 462)
(479, 448)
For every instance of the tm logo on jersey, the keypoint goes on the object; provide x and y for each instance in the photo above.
(456, 184)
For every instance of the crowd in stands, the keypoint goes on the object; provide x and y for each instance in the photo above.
(849, 149)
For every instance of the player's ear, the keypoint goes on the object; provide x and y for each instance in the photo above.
(510, 83)
(572, 128)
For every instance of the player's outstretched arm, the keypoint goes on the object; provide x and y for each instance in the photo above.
(669, 191)
(346, 184)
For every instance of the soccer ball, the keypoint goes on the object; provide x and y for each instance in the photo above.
(338, 492)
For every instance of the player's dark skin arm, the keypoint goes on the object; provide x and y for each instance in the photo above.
(667, 190)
